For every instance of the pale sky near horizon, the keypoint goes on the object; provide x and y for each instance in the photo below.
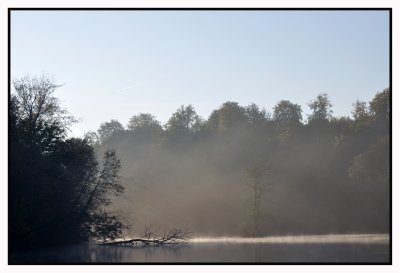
(115, 64)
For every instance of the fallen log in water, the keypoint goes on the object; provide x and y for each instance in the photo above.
(174, 236)
(136, 242)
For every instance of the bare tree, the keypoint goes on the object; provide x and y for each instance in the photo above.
(152, 237)
(41, 118)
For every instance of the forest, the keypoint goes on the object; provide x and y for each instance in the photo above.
(242, 171)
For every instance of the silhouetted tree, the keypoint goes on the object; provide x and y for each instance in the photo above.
(287, 117)
(360, 111)
(255, 115)
(380, 105)
(145, 124)
(286, 112)
(321, 108)
(109, 129)
(91, 137)
(57, 187)
(41, 120)
(184, 120)
(229, 116)
(38, 127)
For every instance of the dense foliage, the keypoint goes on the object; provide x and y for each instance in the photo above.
(58, 190)
(241, 171)
(328, 174)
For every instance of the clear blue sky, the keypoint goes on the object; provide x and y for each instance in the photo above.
(116, 64)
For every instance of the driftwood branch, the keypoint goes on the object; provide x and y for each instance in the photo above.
(173, 236)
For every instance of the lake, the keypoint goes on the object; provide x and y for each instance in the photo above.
(366, 248)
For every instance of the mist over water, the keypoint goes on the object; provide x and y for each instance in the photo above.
(305, 239)
(334, 248)
(201, 184)
(199, 136)
(246, 185)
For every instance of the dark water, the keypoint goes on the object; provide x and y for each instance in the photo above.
(212, 252)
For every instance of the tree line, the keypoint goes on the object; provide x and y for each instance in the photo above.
(62, 190)
(325, 173)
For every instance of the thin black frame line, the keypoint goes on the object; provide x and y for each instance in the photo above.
(200, 8)
(390, 143)
(8, 129)
(390, 262)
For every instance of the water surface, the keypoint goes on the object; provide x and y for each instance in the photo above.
(367, 248)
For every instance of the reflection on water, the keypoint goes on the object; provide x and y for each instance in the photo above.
(358, 249)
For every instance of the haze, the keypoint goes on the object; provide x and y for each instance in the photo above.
(160, 127)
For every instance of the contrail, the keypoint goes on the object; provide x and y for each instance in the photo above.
(144, 82)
